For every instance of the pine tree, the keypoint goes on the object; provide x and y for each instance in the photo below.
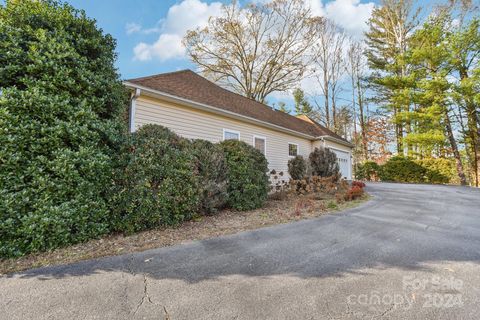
(390, 29)
(302, 106)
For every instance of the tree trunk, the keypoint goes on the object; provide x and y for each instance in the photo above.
(456, 154)
(363, 127)
(327, 109)
(472, 125)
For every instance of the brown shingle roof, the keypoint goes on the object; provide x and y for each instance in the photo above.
(188, 85)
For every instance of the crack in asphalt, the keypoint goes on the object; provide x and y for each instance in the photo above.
(146, 298)
(145, 295)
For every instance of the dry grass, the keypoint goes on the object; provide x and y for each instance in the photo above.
(225, 222)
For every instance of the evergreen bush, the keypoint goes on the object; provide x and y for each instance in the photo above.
(297, 167)
(60, 104)
(211, 168)
(247, 175)
(323, 163)
(157, 184)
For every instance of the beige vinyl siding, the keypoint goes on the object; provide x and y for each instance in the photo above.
(196, 124)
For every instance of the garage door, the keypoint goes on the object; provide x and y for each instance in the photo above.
(344, 162)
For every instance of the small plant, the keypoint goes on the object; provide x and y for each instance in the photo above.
(297, 168)
(323, 163)
(359, 184)
(332, 205)
(279, 186)
(354, 193)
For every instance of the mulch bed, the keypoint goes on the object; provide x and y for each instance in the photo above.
(223, 223)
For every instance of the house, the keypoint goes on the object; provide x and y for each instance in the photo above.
(196, 108)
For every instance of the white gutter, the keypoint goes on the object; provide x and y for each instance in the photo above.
(133, 105)
(204, 107)
(339, 141)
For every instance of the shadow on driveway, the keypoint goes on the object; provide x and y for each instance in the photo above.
(403, 226)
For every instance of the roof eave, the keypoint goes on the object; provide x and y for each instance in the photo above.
(339, 141)
(200, 106)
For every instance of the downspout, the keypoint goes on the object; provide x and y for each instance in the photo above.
(133, 105)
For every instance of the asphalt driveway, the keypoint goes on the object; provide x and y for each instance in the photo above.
(413, 252)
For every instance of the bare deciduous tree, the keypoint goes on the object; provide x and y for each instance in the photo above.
(329, 59)
(356, 66)
(257, 49)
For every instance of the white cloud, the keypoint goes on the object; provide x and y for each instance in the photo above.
(168, 46)
(350, 14)
(316, 7)
(187, 15)
(133, 28)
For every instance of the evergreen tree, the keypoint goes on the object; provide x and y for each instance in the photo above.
(388, 38)
(302, 106)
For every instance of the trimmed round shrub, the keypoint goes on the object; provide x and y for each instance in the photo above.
(60, 104)
(297, 168)
(402, 169)
(323, 163)
(157, 184)
(247, 175)
(367, 170)
(211, 168)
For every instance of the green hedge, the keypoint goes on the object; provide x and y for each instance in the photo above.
(60, 102)
(212, 170)
(247, 175)
(156, 184)
(367, 170)
(164, 179)
(405, 169)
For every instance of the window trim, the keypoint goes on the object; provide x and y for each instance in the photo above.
(231, 131)
(288, 150)
(264, 144)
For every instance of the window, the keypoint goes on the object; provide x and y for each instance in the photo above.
(292, 149)
(231, 134)
(260, 144)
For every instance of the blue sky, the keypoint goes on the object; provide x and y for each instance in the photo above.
(135, 22)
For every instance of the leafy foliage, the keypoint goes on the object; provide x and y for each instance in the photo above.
(212, 171)
(404, 169)
(60, 103)
(439, 170)
(297, 167)
(323, 163)
(367, 171)
(157, 184)
(353, 193)
(247, 175)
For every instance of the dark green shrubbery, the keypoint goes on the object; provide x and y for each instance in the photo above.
(212, 171)
(60, 98)
(297, 168)
(367, 171)
(404, 169)
(157, 184)
(323, 163)
(247, 175)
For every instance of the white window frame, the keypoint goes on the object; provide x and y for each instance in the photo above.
(264, 144)
(288, 150)
(231, 131)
